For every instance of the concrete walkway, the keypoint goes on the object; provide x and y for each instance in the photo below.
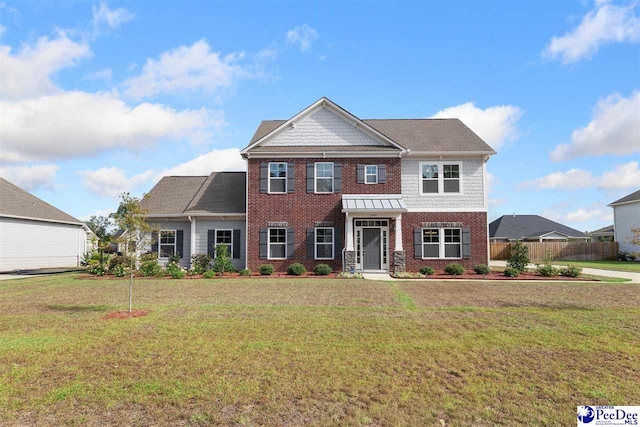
(635, 277)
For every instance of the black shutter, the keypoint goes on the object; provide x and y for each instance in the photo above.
(179, 242)
(311, 243)
(466, 243)
(310, 177)
(382, 174)
(338, 243)
(211, 243)
(264, 235)
(417, 243)
(290, 242)
(264, 177)
(291, 177)
(337, 177)
(154, 241)
(236, 244)
(360, 174)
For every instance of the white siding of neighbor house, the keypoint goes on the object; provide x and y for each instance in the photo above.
(322, 127)
(472, 196)
(203, 226)
(185, 226)
(27, 244)
(626, 217)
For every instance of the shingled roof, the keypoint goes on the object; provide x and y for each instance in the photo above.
(219, 193)
(517, 227)
(633, 197)
(15, 202)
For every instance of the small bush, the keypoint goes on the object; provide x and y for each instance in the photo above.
(547, 270)
(150, 267)
(454, 269)
(200, 263)
(519, 257)
(266, 269)
(322, 270)
(179, 274)
(96, 268)
(119, 270)
(481, 269)
(571, 271)
(296, 269)
(511, 272)
(222, 262)
(209, 274)
(118, 260)
(174, 259)
(427, 271)
(245, 272)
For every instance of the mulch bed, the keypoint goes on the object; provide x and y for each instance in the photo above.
(126, 314)
(498, 275)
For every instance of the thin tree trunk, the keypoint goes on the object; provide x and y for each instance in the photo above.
(130, 292)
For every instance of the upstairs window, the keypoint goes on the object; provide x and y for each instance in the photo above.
(324, 177)
(440, 178)
(371, 174)
(277, 177)
(451, 178)
(429, 178)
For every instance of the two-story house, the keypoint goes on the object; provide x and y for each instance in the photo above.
(362, 195)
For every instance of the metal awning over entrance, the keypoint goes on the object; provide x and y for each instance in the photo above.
(379, 203)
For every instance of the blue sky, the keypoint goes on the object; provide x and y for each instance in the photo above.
(97, 98)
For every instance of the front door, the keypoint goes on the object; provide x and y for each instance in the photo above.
(371, 248)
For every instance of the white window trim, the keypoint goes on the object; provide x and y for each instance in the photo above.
(376, 174)
(269, 177)
(269, 242)
(441, 243)
(333, 242)
(215, 238)
(175, 242)
(440, 165)
(315, 178)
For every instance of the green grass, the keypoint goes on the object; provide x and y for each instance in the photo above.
(633, 267)
(314, 352)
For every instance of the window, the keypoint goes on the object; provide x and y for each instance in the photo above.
(440, 178)
(324, 243)
(324, 177)
(167, 243)
(441, 243)
(277, 243)
(277, 177)
(371, 174)
(225, 237)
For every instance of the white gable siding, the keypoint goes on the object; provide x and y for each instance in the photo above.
(322, 128)
(26, 244)
(626, 217)
(203, 226)
(472, 196)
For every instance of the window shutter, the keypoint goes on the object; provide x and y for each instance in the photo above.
(290, 242)
(179, 242)
(310, 177)
(264, 177)
(264, 235)
(382, 174)
(338, 243)
(211, 241)
(466, 243)
(291, 177)
(236, 244)
(417, 243)
(360, 174)
(154, 241)
(337, 177)
(311, 243)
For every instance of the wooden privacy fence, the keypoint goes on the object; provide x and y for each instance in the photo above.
(573, 251)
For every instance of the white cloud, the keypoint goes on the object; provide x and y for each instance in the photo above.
(591, 215)
(103, 16)
(187, 68)
(495, 125)
(217, 160)
(76, 124)
(626, 175)
(27, 73)
(615, 129)
(607, 23)
(31, 178)
(104, 74)
(303, 36)
(111, 181)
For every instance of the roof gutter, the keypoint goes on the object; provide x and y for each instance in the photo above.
(55, 221)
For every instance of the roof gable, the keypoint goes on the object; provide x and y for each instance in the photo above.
(633, 197)
(523, 226)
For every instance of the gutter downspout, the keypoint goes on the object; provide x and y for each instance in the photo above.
(192, 243)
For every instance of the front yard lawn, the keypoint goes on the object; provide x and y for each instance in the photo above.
(314, 352)
(631, 266)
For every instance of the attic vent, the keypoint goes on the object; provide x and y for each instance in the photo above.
(355, 123)
(293, 125)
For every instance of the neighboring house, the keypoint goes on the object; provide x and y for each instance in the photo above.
(626, 215)
(36, 234)
(532, 228)
(604, 234)
(193, 213)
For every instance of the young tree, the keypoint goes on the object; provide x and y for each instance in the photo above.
(131, 218)
(635, 239)
(101, 226)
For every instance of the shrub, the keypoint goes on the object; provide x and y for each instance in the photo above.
(454, 269)
(150, 268)
(266, 269)
(511, 272)
(178, 274)
(547, 270)
(118, 260)
(209, 274)
(427, 271)
(200, 263)
(519, 257)
(296, 269)
(481, 269)
(174, 270)
(322, 270)
(571, 271)
(222, 261)
(174, 259)
(245, 272)
(119, 270)
(96, 268)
